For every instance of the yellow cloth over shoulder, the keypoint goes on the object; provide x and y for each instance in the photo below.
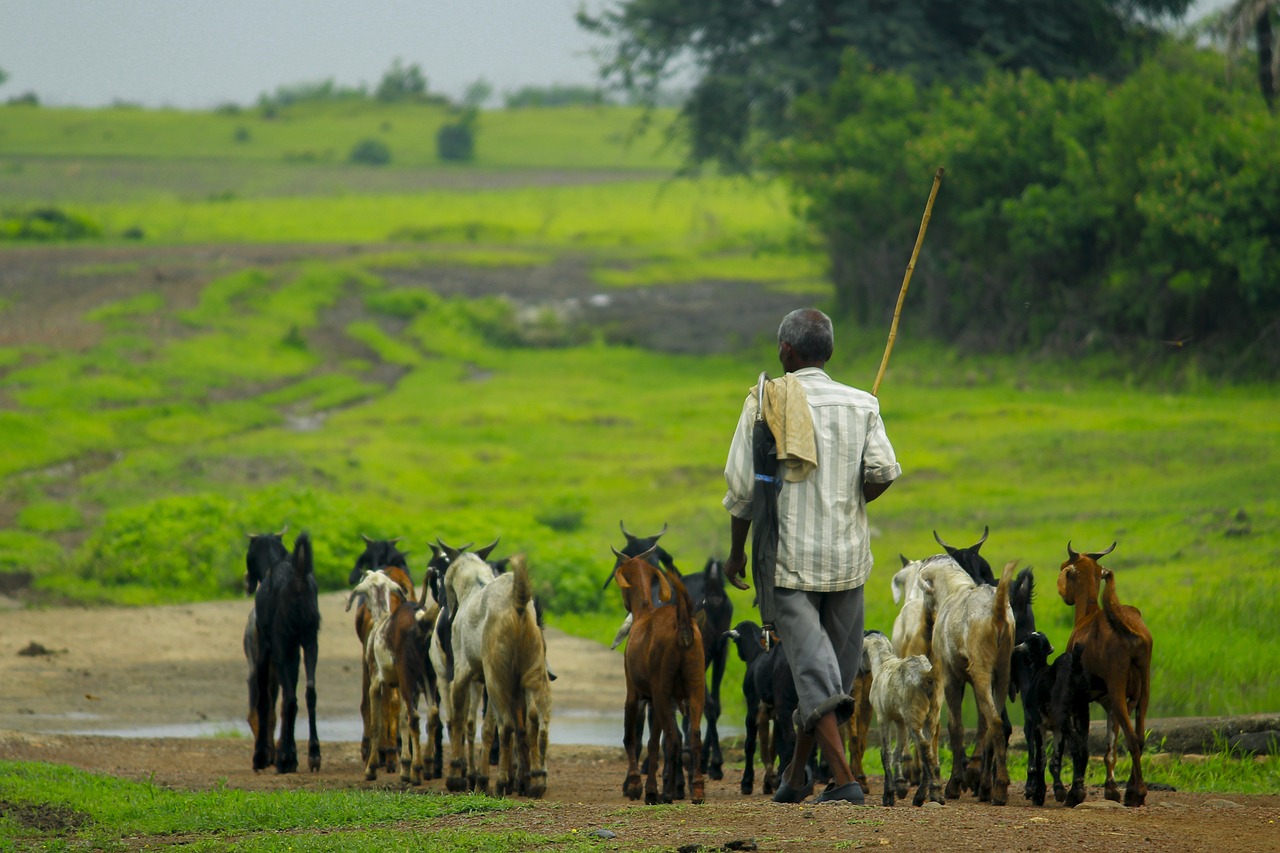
(787, 412)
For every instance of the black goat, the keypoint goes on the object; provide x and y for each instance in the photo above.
(1031, 676)
(1069, 700)
(288, 622)
(757, 689)
(265, 550)
(714, 613)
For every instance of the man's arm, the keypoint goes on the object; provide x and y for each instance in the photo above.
(871, 491)
(735, 565)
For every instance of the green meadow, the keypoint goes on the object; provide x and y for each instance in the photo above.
(135, 464)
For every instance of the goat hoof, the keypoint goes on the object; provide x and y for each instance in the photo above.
(886, 799)
(650, 798)
(953, 789)
(1075, 796)
(370, 774)
(1112, 792)
(746, 787)
(1060, 793)
(313, 763)
(715, 772)
(457, 784)
(1134, 798)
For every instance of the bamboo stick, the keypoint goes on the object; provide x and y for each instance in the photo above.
(906, 280)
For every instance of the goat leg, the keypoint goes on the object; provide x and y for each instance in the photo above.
(886, 759)
(631, 741)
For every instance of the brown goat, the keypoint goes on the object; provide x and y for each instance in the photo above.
(665, 668)
(1117, 659)
(387, 736)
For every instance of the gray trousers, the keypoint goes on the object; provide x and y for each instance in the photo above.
(822, 635)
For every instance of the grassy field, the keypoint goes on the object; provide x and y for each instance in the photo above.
(186, 419)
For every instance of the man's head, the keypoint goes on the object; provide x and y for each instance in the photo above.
(805, 339)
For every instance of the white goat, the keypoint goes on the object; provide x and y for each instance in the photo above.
(499, 632)
(972, 638)
(467, 575)
(904, 696)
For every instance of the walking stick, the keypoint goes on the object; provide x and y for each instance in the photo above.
(906, 280)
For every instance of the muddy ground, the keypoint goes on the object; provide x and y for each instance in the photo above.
(142, 670)
(69, 676)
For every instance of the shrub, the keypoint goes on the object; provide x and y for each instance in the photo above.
(370, 152)
(47, 223)
(457, 142)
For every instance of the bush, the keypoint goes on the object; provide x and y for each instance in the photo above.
(456, 143)
(370, 152)
(47, 223)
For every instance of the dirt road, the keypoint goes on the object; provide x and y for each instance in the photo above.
(161, 670)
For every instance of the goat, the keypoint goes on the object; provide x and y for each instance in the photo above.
(714, 613)
(664, 667)
(379, 555)
(904, 696)
(395, 659)
(265, 550)
(1032, 677)
(287, 615)
(707, 588)
(761, 654)
(856, 729)
(467, 575)
(1055, 700)
(1070, 695)
(972, 644)
(498, 634)
(1117, 658)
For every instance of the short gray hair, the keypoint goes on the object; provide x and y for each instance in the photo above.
(809, 333)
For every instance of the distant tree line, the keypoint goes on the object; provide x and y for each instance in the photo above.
(1106, 184)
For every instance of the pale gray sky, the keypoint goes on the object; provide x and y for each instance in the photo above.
(200, 53)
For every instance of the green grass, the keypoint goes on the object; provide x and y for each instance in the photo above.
(57, 807)
(322, 135)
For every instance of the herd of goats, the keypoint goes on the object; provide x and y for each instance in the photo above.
(469, 647)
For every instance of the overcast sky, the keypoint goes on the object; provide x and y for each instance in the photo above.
(201, 53)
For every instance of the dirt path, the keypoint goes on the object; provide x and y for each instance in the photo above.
(182, 666)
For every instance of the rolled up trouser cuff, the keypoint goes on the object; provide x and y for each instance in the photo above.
(842, 706)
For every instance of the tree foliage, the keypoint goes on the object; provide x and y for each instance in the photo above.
(1144, 213)
(748, 61)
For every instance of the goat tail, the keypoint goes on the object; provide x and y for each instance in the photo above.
(522, 588)
(302, 554)
(1000, 606)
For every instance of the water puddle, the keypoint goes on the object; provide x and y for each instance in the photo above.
(571, 728)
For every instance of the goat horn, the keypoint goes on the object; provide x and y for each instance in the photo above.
(732, 634)
(940, 542)
(283, 531)
(366, 539)
(623, 528)
(394, 541)
(1071, 555)
(986, 530)
(483, 553)
(1098, 555)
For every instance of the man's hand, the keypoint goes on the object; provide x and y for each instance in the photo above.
(735, 566)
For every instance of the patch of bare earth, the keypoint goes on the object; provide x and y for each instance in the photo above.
(119, 668)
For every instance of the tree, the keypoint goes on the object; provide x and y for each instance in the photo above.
(1259, 19)
(749, 61)
(401, 82)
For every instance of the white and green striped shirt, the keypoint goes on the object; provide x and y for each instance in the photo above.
(823, 543)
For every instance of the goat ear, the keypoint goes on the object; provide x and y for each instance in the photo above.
(621, 581)
(664, 586)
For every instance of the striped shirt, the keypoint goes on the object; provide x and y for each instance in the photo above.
(823, 543)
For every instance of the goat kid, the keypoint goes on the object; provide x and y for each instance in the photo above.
(904, 695)
(265, 550)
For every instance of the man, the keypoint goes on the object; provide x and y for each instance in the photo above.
(823, 554)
